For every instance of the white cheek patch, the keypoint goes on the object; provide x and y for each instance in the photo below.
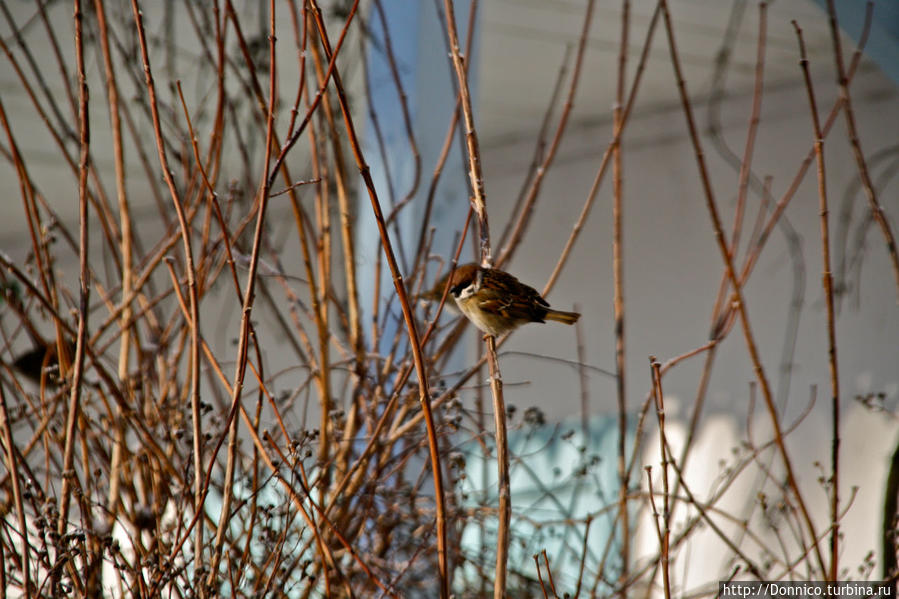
(475, 286)
(467, 292)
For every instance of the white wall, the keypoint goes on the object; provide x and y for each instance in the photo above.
(673, 266)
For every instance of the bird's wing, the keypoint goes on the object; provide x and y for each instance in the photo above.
(505, 295)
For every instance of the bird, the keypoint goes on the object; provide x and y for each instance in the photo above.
(43, 357)
(495, 301)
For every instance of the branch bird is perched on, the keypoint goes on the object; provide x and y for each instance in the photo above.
(495, 301)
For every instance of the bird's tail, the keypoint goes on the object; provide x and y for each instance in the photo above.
(560, 316)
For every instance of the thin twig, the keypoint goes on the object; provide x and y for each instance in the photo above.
(536, 557)
(69, 477)
(666, 497)
(618, 301)
(549, 574)
(126, 252)
(827, 283)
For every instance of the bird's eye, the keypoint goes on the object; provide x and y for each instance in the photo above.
(457, 289)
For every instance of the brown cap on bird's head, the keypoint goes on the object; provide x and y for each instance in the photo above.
(463, 273)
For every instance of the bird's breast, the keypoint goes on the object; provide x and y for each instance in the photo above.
(492, 324)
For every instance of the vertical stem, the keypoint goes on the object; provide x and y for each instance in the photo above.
(582, 380)
(663, 449)
(474, 153)
(84, 289)
(320, 303)
(502, 464)
(827, 284)
(125, 220)
(6, 431)
(618, 302)
(346, 228)
(499, 405)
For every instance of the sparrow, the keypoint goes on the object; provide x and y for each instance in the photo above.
(43, 357)
(495, 301)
